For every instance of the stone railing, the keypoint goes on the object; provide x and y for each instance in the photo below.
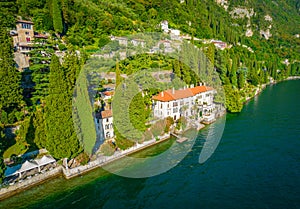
(102, 160)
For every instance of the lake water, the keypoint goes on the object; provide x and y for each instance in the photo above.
(256, 165)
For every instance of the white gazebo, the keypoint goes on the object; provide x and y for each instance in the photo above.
(45, 160)
(27, 166)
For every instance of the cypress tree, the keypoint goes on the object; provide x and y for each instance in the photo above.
(137, 111)
(71, 68)
(61, 140)
(176, 68)
(39, 126)
(10, 91)
(233, 76)
(40, 70)
(241, 80)
(118, 75)
(2, 164)
(57, 17)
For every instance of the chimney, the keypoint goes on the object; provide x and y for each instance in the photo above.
(173, 90)
(162, 94)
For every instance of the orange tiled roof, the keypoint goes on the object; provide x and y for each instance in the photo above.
(106, 114)
(109, 93)
(199, 89)
(168, 95)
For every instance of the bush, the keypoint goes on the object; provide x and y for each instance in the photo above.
(107, 149)
(61, 47)
(181, 123)
(4, 118)
(169, 122)
(11, 117)
(83, 158)
(19, 115)
(148, 135)
(157, 129)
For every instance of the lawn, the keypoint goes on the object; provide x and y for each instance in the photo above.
(16, 149)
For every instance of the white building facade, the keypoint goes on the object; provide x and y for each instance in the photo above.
(107, 123)
(195, 101)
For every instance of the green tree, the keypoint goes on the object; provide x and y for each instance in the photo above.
(2, 164)
(118, 74)
(137, 111)
(71, 67)
(61, 140)
(233, 101)
(40, 58)
(57, 17)
(233, 76)
(40, 135)
(241, 80)
(10, 80)
(176, 68)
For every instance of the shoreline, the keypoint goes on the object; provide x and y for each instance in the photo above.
(17, 188)
(263, 86)
(77, 171)
(12, 190)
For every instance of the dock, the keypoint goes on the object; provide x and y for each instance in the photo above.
(180, 139)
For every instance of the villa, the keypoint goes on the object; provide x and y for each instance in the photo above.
(185, 102)
(107, 123)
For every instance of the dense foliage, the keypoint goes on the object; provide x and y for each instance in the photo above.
(10, 81)
(40, 99)
(61, 139)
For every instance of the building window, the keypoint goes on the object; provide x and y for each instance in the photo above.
(26, 33)
(107, 120)
(26, 26)
(160, 106)
(107, 135)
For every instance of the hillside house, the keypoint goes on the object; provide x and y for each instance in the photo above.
(219, 44)
(23, 35)
(137, 42)
(164, 26)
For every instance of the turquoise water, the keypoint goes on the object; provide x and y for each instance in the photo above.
(256, 165)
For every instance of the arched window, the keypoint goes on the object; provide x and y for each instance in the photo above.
(107, 135)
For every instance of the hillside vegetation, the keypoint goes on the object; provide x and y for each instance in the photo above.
(43, 111)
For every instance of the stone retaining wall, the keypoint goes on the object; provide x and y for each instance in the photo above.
(19, 186)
